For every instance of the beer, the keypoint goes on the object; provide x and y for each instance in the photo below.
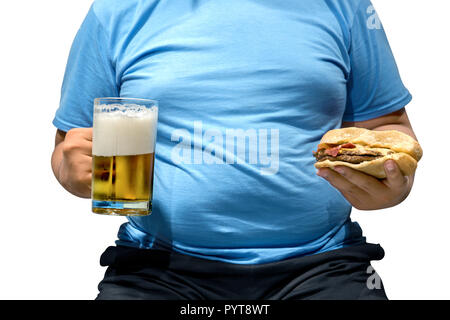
(124, 179)
(123, 158)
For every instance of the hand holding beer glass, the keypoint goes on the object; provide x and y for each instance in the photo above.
(123, 153)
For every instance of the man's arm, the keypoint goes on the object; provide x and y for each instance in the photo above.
(72, 160)
(394, 121)
(365, 192)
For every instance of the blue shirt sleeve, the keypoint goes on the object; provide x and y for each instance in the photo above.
(89, 74)
(374, 86)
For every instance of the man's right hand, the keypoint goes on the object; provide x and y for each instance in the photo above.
(72, 161)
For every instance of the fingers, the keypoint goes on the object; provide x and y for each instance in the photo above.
(394, 176)
(83, 186)
(362, 180)
(346, 187)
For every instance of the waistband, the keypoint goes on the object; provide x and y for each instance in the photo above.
(130, 257)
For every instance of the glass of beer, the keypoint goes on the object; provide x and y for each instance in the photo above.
(123, 155)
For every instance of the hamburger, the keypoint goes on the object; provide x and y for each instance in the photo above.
(367, 150)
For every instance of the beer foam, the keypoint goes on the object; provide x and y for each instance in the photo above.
(121, 130)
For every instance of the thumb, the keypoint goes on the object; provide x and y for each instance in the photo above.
(87, 133)
(394, 176)
(80, 133)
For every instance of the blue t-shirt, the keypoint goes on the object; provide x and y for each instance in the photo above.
(246, 90)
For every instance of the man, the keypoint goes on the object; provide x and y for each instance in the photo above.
(246, 90)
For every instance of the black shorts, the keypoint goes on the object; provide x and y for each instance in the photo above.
(163, 275)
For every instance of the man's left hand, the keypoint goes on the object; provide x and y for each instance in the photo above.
(365, 192)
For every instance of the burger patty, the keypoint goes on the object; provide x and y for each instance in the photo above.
(350, 156)
(350, 159)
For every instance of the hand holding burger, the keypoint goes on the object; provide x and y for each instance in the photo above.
(372, 169)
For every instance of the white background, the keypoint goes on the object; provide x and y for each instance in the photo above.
(50, 242)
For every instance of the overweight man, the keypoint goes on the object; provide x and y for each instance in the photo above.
(246, 89)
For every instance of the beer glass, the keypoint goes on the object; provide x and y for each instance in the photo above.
(123, 155)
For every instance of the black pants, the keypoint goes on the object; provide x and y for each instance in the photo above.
(161, 275)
